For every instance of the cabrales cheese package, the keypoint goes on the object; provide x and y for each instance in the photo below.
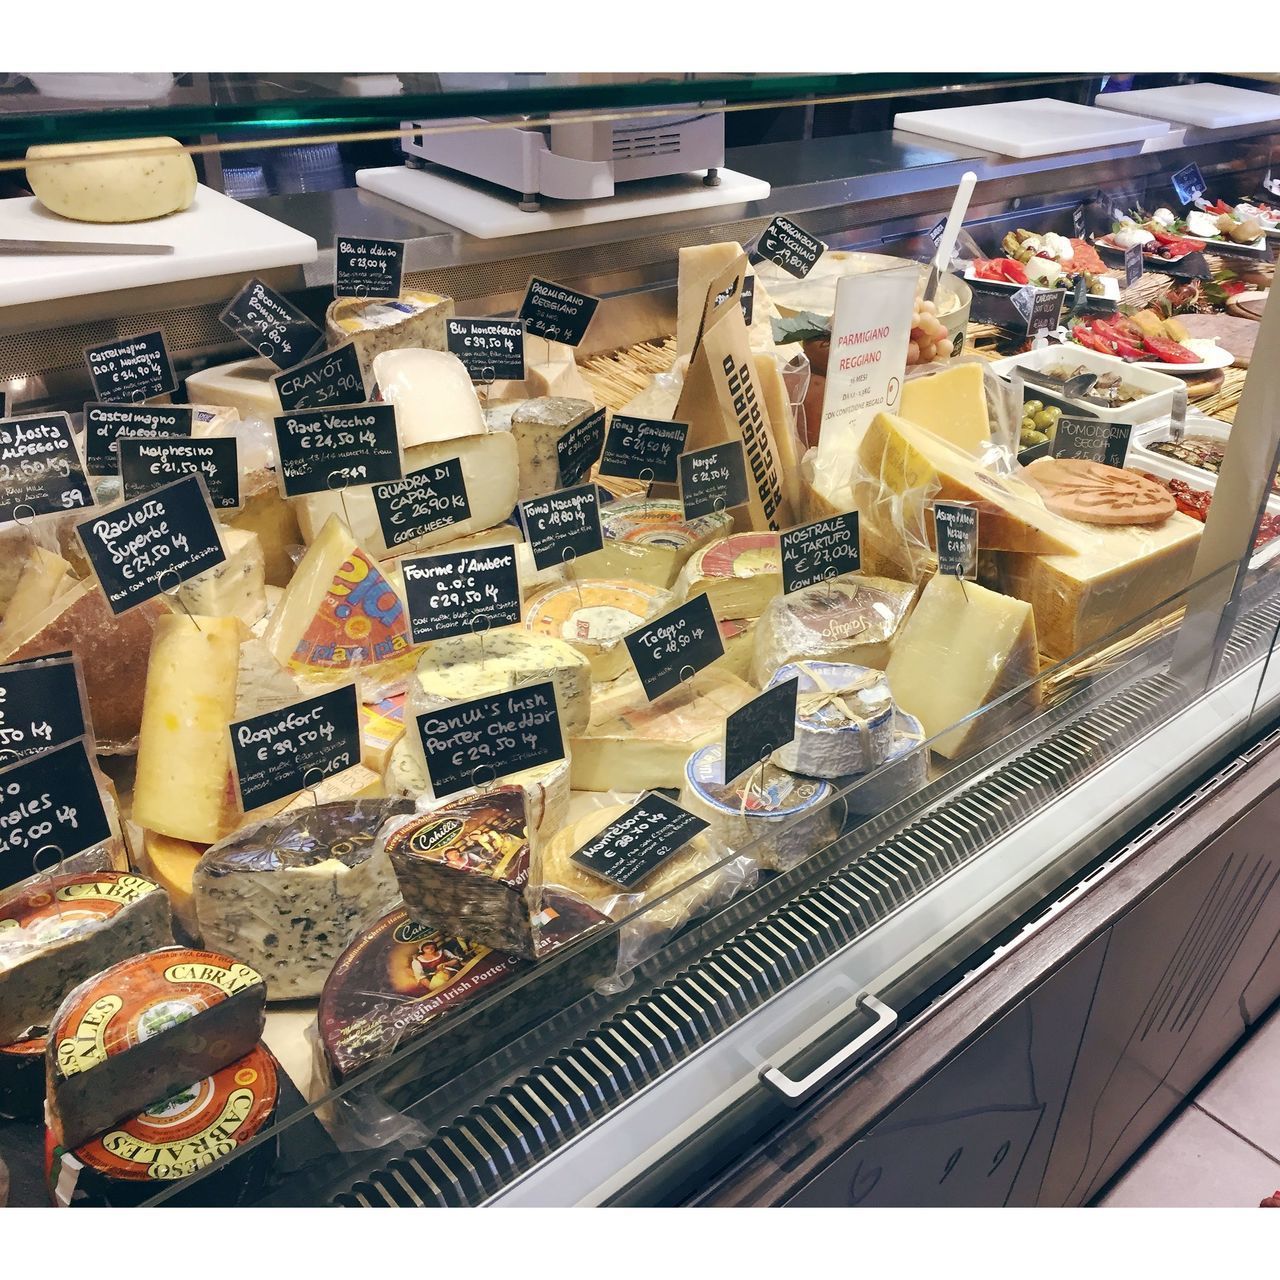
(414, 319)
(904, 771)
(739, 574)
(844, 719)
(649, 540)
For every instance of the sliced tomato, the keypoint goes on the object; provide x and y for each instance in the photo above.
(1169, 352)
(1086, 338)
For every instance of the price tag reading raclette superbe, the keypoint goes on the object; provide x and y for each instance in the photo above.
(40, 469)
(555, 312)
(131, 369)
(271, 325)
(675, 647)
(40, 706)
(104, 423)
(327, 450)
(331, 378)
(816, 552)
(450, 595)
(792, 248)
(633, 846)
(147, 462)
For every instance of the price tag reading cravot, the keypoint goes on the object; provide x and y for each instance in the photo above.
(955, 528)
(279, 753)
(323, 450)
(104, 422)
(643, 449)
(1133, 266)
(271, 325)
(579, 447)
(1093, 440)
(492, 350)
(790, 247)
(40, 469)
(40, 706)
(147, 462)
(713, 479)
(450, 595)
(131, 369)
(555, 312)
(563, 525)
(754, 732)
(424, 501)
(675, 647)
(329, 379)
(635, 844)
(1189, 184)
(815, 552)
(367, 268)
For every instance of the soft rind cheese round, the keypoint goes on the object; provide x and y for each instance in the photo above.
(739, 574)
(844, 719)
(649, 539)
(124, 180)
(432, 393)
(904, 771)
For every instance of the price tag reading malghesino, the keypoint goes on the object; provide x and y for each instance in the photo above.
(1189, 184)
(1133, 265)
(792, 248)
(325, 450)
(563, 525)
(461, 592)
(824, 549)
(492, 350)
(104, 422)
(131, 369)
(754, 732)
(331, 378)
(40, 469)
(471, 744)
(271, 325)
(367, 268)
(424, 501)
(147, 462)
(713, 479)
(152, 544)
(644, 449)
(40, 707)
(634, 845)
(1092, 439)
(675, 647)
(955, 530)
(579, 447)
(279, 753)
(556, 313)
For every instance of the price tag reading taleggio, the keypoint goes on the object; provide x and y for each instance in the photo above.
(1133, 265)
(675, 647)
(579, 447)
(50, 808)
(792, 248)
(635, 844)
(713, 479)
(426, 500)
(475, 743)
(40, 470)
(644, 449)
(754, 732)
(955, 528)
(367, 268)
(129, 370)
(326, 450)
(461, 592)
(152, 544)
(271, 325)
(147, 462)
(1092, 439)
(279, 753)
(40, 707)
(103, 423)
(329, 379)
(562, 526)
(556, 313)
(815, 552)
(1189, 184)
(492, 350)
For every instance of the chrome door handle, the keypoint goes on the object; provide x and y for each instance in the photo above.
(796, 1092)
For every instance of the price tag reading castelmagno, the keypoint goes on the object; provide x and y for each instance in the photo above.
(713, 479)
(131, 369)
(816, 552)
(633, 846)
(1189, 184)
(579, 447)
(792, 248)
(50, 808)
(451, 595)
(562, 526)
(326, 450)
(147, 462)
(556, 313)
(424, 501)
(367, 268)
(104, 422)
(271, 325)
(282, 752)
(329, 379)
(644, 449)
(40, 707)
(40, 470)
(1092, 439)
(754, 732)
(675, 647)
(152, 544)
(492, 350)
(955, 530)
(475, 743)
(1133, 265)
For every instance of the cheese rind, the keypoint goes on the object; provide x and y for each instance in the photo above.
(171, 863)
(43, 578)
(243, 385)
(124, 180)
(537, 427)
(904, 771)
(414, 319)
(739, 574)
(235, 588)
(432, 393)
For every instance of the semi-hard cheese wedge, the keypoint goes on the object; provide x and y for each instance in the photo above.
(414, 319)
(44, 577)
(264, 510)
(432, 393)
(124, 180)
(738, 636)
(649, 540)
(235, 588)
(128, 1037)
(739, 574)
(952, 404)
(537, 427)
(243, 385)
(844, 719)
(962, 648)
(550, 370)
(381, 727)
(171, 863)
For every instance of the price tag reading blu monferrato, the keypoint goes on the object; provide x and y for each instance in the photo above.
(635, 844)
(271, 325)
(329, 379)
(40, 470)
(40, 706)
(579, 447)
(955, 529)
(754, 732)
(563, 526)
(425, 500)
(471, 744)
(556, 313)
(367, 268)
(461, 592)
(280, 753)
(491, 350)
(1133, 265)
(104, 422)
(792, 248)
(1189, 184)
(327, 450)
(152, 544)
(819, 551)
(644, 449)
(675, 647)
(147, 462)
(1092, 439)
(713, 479)
(131, 369)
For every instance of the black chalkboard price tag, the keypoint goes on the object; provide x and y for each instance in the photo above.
(754, 732)
(50, 808)
(431, 498)
(152, 544)
(555, 312)
(329, 379)
(475, 743)
(713, 479)
(131, 369)
(790, 247)
(105, 422)
(635, 844)
(279, 753)
(325, 450)
(40, 707)
(461, 592)
(1092, 439)
(1078, 221)
(644, 449)
(675, 647)
(367, 268)
(955, 529)
(563, 525)
(40, 469)
(579, 447)
(147, 462)
(1133, 265)
(825, 549)
(935, 231)
(747, 300)
(1041, 308)
(271, 325)
(492, 350)
(1189, 184)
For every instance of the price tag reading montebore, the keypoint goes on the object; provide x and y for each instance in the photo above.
(131, 369)
(713, 479)
(824, 549)
(465, 591)
(562, 526)
(792, 248)
(279, 753)
(368, 268)
(104, 422)
(644, 449)
(1093, 440)
(754, 732)
(147, 462)
(1189, 183)
(325, 450)
(632, 847)
(474, 743)
(579, 447)
(556, 313)
(331, 378)
(424, 501)
(955, 529)
(40, 469)
(491, 349)
(675, 647)
(1133, 266)
(272, 326)
(152, 544)
(40, 706)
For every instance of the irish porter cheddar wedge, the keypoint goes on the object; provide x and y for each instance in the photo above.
(432, 393)
(124, 180)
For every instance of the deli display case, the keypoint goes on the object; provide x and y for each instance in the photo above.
(599, 640)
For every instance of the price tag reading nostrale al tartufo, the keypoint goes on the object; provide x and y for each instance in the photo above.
(329, 379)
(643, 449)
(271, 325)
(955, 530)
(491, 350)
(754, 732)
(50, 808)
(475, 743)
(327, 450)
(790, 247)
(713, 479)
(451, 594)
(147, 462)
(813, 553)
(431, 498)
(636, 843)
(40, 469)
(367, 268)
(152, 544)
(1092, 439)
(130, 370)
(579, 447)
(40, 706)
(1189, 183)
(675, 647)
(1133, 265)
(104, 422)
(562, 526)
(555, 312)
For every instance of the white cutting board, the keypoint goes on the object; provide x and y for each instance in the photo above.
(1037, 127)
(1207, 105)
(215, 236)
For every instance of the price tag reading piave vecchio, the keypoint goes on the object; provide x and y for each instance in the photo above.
(40, 706)
(491, 350)
(147, 462)
(754, 732)
(452, 594)
(790, 247)
(562, 526)
(635, 844)
(40, 468)
(329, 379)
(327, 450)
(675, 647)
(955, 531)
(271, 325)
(104, 422)
(579, 447)
(713, 479)
(129, 370)
(815, 552)
(555, 312)
(1093, 440)
(434, 497)
(367, 268)
(643, 449)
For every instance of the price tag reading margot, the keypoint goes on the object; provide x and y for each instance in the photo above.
(1189, 183)
(713, 479)
(474, 743)
(556, 313)
(367, 268)
(754, 732)
(147, 462)
(271, 325)
(104, 422)
(562, 526)
(675, 647)
(955, 528)
(1092, 439)
(448, 595)
(131, 369)
(633, 846)
(40, 707)
(322, 450)
(40, 469)
(793, 249)
(279, 753)
(1133, 265)
(491, 350)
(579, 447)
(825, 549)
(433, 498)
(331, 378)
(644, 449)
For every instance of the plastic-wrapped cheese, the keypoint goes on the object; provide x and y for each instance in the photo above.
(124, 180)
(44, 576)
(649, 539)
(536, 427)
(235, 588)
(414, 319)
(432, 393)
(739, 574)
(844, 719)
(904, 771)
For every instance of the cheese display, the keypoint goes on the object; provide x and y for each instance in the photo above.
(235, 588)
(171, 863)
(414, 319)
(44, 576)
(951, 403)
(649, 540)
(904, 771)
(537, 427)
(844, 719)
(550, 369)
(739, 574)
(244, 385)
(123, 180)
(432, 393)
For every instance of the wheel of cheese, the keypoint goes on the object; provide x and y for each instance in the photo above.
(739, 574)
(844, 719)
(904, 771)
(125, 180)
(649, 539)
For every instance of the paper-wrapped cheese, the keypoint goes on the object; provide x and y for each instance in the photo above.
(844, 719)
(124, 180)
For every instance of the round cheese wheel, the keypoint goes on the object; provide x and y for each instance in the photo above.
(125, 180)
(660, 522)
(738, 574)
(904, 771)
(844, 719)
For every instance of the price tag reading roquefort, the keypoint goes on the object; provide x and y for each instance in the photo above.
(327, 450)
(452, 594)
(819, 551)
(104, 422)
(329, 379)
(40, 707)
(426, 500)
(40, 469)
(271, 325)
(675, 647)
(147, 462)
(129, 370)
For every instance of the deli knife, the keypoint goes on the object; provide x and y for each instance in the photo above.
(80, 246)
